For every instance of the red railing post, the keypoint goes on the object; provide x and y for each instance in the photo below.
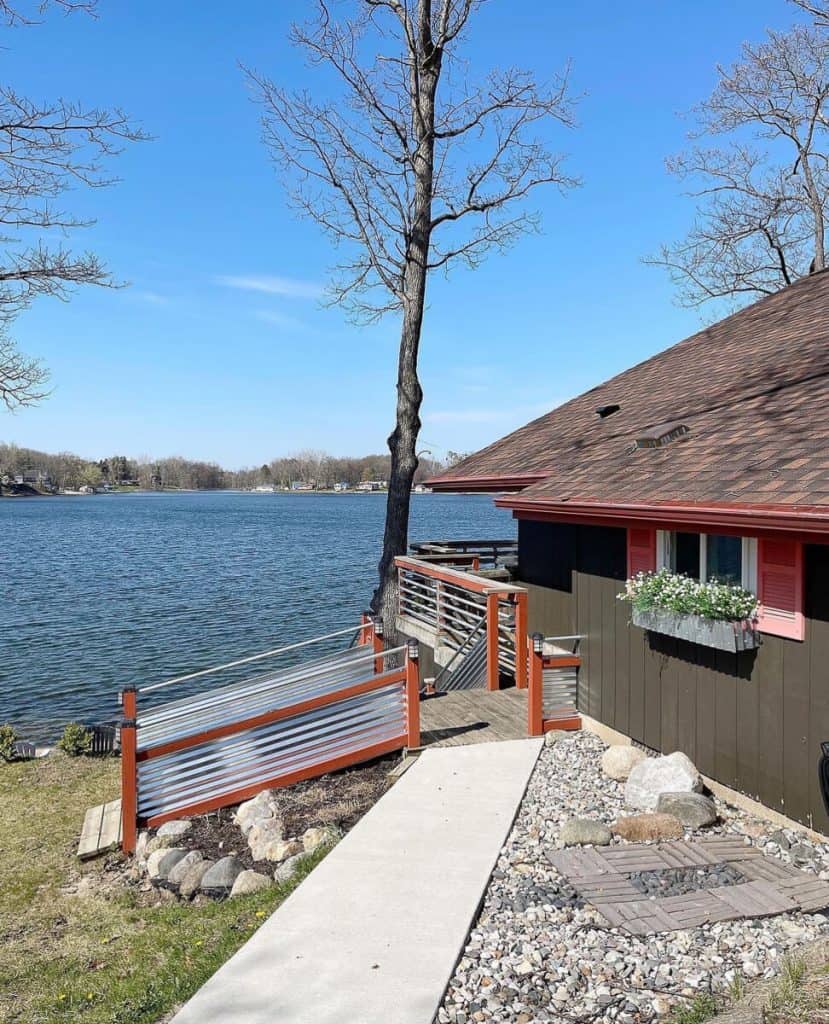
(129, 771)
(535, 697)
(366, 629)
(493, 670)
(521, 641)
(413, 694)
(378, 643)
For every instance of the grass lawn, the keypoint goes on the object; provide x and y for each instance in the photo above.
(74, 948)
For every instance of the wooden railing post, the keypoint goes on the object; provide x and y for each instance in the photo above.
(413, 694)
(535, 697)
(129, 771)
(521, 641)
(378, 643)
(493, 669)
(366, 629)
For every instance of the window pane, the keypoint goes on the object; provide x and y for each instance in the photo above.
(686, 558)
(724, 559)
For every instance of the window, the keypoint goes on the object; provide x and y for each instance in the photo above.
(709, 556)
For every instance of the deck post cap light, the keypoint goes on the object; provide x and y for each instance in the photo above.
(538, 643)
(378, 625)
(413, 649)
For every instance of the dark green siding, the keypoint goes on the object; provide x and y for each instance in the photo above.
(752, 721)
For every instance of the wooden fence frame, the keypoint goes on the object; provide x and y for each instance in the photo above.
(131, 757)
(567, 719)
(494, 592)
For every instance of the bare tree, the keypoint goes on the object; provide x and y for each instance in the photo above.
(819, 9)
(46, 149)
(763, 192)
(410, 167)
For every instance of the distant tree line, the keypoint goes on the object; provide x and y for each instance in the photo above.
(67, 471)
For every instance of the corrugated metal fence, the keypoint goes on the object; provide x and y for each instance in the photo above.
(224, 745)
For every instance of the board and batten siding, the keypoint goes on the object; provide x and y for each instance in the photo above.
(753, 721)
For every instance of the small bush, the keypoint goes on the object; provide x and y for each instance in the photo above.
(76, 740)
(8, 738)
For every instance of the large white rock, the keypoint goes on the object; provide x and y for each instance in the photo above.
(265, 839)
(248, 882)
(619, 761)
(656, 775)
(263, 807)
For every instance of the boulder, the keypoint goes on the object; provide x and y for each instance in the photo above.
(639, 827)
(183, 867)
(693, 809)
(159, 843)
(218, 880)
(584, 832)
(161, 862)
(552, 737)
(288, 868)
(191, 882)
(176, 828)
(141, 848)
(284, 849)
(263, 807)
(656, 775)
(264, 837)
(313, 838)
(618, 761)
(248, 882)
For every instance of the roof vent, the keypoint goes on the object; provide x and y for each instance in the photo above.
(660, 435)
(607, 410)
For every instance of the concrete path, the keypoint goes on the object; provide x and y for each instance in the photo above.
(373, 934)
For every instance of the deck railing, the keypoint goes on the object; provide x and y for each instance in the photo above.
(481, 554)
(554, 664)
(450, 604)
(222, 746)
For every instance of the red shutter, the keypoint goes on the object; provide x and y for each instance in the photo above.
(641, 551)
(780, 587)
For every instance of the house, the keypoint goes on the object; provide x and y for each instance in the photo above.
(371, 485)
(303, 485)
(712, 459)
(341, 485)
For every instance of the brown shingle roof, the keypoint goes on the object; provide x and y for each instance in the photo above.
(753, 390)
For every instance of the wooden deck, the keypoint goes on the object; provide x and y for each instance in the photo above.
(459, 717)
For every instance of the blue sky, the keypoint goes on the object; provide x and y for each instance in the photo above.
(220, 349)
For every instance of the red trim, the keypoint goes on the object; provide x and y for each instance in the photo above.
(567, 722)
(129, 788)
(805, 520)
(780, 587)
(641, 544)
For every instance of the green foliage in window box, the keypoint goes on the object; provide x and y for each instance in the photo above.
(8, 738)
(670, 591)
(76, 740)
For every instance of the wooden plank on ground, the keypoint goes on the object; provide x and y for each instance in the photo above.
(101, 831)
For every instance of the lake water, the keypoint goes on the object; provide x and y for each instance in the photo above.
(102, 591)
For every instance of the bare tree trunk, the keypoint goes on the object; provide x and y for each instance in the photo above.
(815, 201)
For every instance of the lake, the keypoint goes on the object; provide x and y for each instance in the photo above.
(99, 592)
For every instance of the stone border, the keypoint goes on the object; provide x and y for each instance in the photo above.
(602, 878)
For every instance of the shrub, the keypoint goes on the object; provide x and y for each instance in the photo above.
(677, 593)
(8, 738)
(76, 740)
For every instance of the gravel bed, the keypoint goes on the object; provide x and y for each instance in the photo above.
(538, 952)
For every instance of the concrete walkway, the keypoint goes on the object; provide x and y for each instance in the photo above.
(373, 934)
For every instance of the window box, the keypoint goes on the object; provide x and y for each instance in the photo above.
(718, 633)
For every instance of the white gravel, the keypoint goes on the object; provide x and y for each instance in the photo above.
(537, 953)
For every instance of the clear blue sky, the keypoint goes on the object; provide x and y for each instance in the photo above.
(184, 363)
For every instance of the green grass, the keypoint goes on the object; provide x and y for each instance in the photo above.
(701, 1009)
(96, 956)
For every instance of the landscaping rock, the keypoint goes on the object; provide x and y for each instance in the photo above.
(191, 882)
(177, 828)
(263, 807)
(313, 838)
(639, 827)
(288, 868)
(552, 737)
(183, 867)
(159, 843)
(284, 849)
(248, 882)
(618, 761)
(584, 832)
(693, 809)
(218, 880)
(141, 848)
(161, 862)
(264, 837)
(656, 775)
